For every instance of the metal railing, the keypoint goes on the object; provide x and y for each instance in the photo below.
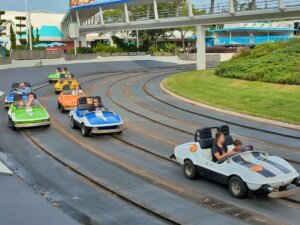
(227, 41)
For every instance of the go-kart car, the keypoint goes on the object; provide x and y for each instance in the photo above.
(54, 77)
(94, 122)
(66, 101)
(64, 81)
(15, 90)
(244, 171)
(22, 117)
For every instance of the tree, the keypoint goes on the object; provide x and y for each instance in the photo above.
(37, 37)
(20, 25)
(2, 21)
(13, 38)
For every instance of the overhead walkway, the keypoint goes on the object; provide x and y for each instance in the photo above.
(149, 14)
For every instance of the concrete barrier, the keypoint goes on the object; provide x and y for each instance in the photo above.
(211, 58)
(36, 54)
(5, 60)
(80, 57)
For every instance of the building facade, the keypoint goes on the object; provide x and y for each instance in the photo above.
(73, 3)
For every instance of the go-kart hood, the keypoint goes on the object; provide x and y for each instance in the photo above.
(102, 118)
(69, 100)
(54, 75)
(30, 113)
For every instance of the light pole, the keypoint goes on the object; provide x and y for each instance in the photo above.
(28, 24)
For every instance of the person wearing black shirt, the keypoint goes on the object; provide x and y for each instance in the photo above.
(219, 150)
(97, 105)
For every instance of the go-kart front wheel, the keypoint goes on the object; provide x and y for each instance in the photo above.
(237, 187)
(11, 124)
(190, 170)
(85, 131)
(58, 105)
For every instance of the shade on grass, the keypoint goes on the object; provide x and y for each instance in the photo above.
(273, 101)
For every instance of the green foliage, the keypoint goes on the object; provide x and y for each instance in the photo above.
(2, 21)
(13, 38)
(153, 49)
(106, 48)
(81, 50)
(243, 53)
(270, 62)
(169, 47)
(129, 46)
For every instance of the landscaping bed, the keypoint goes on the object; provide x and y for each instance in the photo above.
(272, 101)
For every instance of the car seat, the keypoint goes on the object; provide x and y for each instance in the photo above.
(206, 141)
(228, 138)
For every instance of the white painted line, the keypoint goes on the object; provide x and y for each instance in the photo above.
(4, 170)
(2, 93)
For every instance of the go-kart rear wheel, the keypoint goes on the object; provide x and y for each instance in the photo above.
(85, 131)
(190, 170)
(73, 123)
(237, 187)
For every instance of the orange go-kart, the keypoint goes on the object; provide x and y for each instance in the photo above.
(67, 101)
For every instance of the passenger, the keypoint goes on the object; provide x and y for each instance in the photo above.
(15, 90)
(66, 70)
(32, 101)
(77, 90)
(97, 105)
(70, 78)
(23, 88)
(237, 145)
(21, 103)
(219, 150)
(58, 70)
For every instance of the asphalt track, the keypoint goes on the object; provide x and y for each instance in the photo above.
(128, 179)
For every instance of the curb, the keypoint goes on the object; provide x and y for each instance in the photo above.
(225, 111)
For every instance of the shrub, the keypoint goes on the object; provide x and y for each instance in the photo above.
(242, 53)
(81, 50)
(153, 49)
(106, 48)
(169, 47)
(272, 62)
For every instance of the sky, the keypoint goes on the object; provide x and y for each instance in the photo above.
(60, 6)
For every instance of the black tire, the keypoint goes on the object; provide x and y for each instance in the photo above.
(62, 109)
(11, 124)
(190, 170)
(56, 92)
(85, 131)
(46, 126)
(119, 133)
(58, 105)
(237, 187)
(73, 123)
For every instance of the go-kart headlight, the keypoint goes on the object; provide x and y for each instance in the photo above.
(193, 147)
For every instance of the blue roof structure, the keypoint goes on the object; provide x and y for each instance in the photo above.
(253, 29)
(48, 31)
(3, 42)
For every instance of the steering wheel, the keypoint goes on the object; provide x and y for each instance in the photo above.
(247, 148)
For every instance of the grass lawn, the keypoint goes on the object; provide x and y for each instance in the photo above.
(273, 101)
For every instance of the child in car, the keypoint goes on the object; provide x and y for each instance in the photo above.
(237, 145)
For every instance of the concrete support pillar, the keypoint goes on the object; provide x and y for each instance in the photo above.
(281, 5)
(101, 16)
(78, 20)
(148, 11)
(126, 13)
(156, 17)
(201, 54)
(76, 45)
(178, 8)
(190, 8)
(231, 7)
(83, 40)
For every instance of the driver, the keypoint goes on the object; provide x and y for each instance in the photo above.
(219, 150)
(23, 88)
(32, 101)
(98, 106)
(21, 103)
(77, 90)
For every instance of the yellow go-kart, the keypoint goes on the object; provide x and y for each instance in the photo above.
(71, 81)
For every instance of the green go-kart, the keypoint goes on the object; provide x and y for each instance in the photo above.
(25, 117)
(54, 77)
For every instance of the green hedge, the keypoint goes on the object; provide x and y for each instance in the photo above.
(106, 48)
(270, 62)
(81, 50)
